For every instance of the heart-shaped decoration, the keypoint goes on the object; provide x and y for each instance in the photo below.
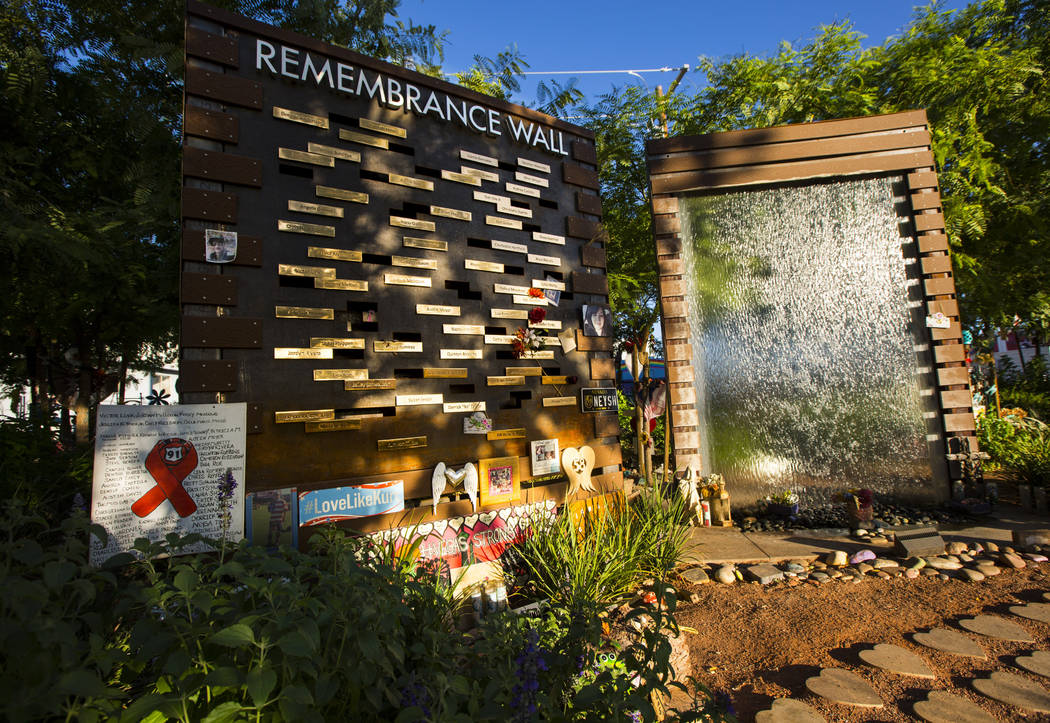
(842, 686)
(506, 512)
(424, 529)
(578, 465)
(455, 523)
(455, 476)
(440, 526)
(487, 517)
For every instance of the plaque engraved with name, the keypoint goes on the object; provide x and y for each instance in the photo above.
(316, 159)
(510, 289)
(546, 324)
(559, 401)
(478, 158)
(339, 375)
(370, 125)
(318, 209)
(416, 224)
(545, 284)
(312, 229)
(506, 434)
(285, 352)
(320, 252)
(543, 354)
(388, 445)
(450, 213)
(499, 338)
(503, 222)
(437, 310)
(336, 425)
(508, 246)
(425, 243)
(361, 385)
(397, 346)
(413, 262)
(451, 407)
(304, 415)
(343, 154)
(363, 138)
(506, 381)
(445, 373)
(560, 380)
(514, 210)
(524, 371)
(528, 301)
(298, 117)
(341, 194)
(544, 260)
(534, 165)
(411, 181)
(303, 312)
(314, 271)
(529, 178)
(491, 198)
(522, 190)
(475, 265)
(416, 400)
(461, 178)
(509, 314)
(548, 238)
(461, 354)
(483, 175)
(472, 329)
(328, 342)
(341, 284)
(403, 280)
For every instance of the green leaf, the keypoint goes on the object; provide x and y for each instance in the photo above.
(410, 715)
(260, 683)
(81, 683)
(58, 572)
(224, 713)
(225, 677)
(141, 709)
(186, 580)
(235, 636)
(295, 644)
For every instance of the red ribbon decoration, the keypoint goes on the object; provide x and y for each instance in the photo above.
(168, 476)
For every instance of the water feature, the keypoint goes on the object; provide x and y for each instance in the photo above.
(808, 356)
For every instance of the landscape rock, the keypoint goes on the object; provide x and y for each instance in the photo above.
(884, 564)
(819, 576)
(971, 575)
(764, 573)
(864, 568)
(940, 563)
(696, 576)
(1012, 560)
(861, 556)
(955, 547)
(837, 558)
(911, 574)
(726, 574)
(1035, 557)
(991, 546)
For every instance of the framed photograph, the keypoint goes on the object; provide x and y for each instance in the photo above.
(597, 320)
(545, 458)
(499, 480)
(220, 247)
(273, 519)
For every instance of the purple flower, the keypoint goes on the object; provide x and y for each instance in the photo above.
(227, 485)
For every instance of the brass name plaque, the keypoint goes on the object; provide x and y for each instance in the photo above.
(503, 222)
(547, 324)
(514, 210)
(360, 385)
(548, 238)
(303, 312)
(285, 352)
(412, 223)
(416, 400)
(306, 415)
(450, 213)
(313, 271)
(425, 243)
(396, 346)
(316, 159)
(534, 165)
(461, 178)
(403, 280)
(524, 371)
(371, 125)
(499, 338)
(413, 262)
(475, 265)
(313, 229)
(461, 354)
(410, 181)
(509, 314)
(341, 194)
(538, 355)
(319, 252)
(544, 260)
(363, 138)
(555, 380)
(342, 154)
(315, 208)
(297, 117)
(453, 407)
(491, 198)
(552, 285)
(522, 190)
(559, 401)
(534, 180)
(507, 381)
(483, 175)
(478, 158)
(328, 342)
(339, 375)
(337, 425)
(506, 434)
(528, 300)
(387, 445)
(508, 246)
(509, 289)
(473, 329)
(445, 373)
(341, 284)
(437, 310)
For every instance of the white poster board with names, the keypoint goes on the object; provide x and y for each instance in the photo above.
(160, 469)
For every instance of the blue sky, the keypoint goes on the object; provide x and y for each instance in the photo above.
(629, 35)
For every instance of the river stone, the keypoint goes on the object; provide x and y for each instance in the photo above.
(916, 563)
(928, 572)
(1012, 560)
(911, 574)
(996, 627)
(820, 576)
(1033, 611)
(883, 564)
(955, 547)
(861, 556)
(795, 568)
(786, 710)
(940, 563)
(941, 707)
(949, 641)
(837, 558)
(963, 557)
(842, 686)
(726, 574)
(1035, 557)
(1038, 662)
(988, 569)
(1046, 596)
(897, 660)
(1014, 690)
(864, 568)
(971, 575)
(991, 546)
(696, 576)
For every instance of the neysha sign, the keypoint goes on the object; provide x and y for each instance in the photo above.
(339, 504)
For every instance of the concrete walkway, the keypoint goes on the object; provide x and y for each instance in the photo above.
(722, 545)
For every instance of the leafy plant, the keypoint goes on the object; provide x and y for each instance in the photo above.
(1017, 444)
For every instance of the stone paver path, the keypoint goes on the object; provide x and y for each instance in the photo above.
(786, 710)
(941, 707)
(1014, 690)
(897, 660)
(1038, 662)
(842, 686)
(1040, 612)
(950, 641)
(996, 627)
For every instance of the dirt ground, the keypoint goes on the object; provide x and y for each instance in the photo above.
(761, 643)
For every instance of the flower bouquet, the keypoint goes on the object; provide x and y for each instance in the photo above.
(860, 504)
(783, 503)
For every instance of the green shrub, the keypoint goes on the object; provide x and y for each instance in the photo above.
(35, 468)
(1018, 445)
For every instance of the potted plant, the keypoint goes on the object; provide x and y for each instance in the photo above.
(782, 504)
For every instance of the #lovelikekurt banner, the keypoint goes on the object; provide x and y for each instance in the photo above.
(161, 469)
